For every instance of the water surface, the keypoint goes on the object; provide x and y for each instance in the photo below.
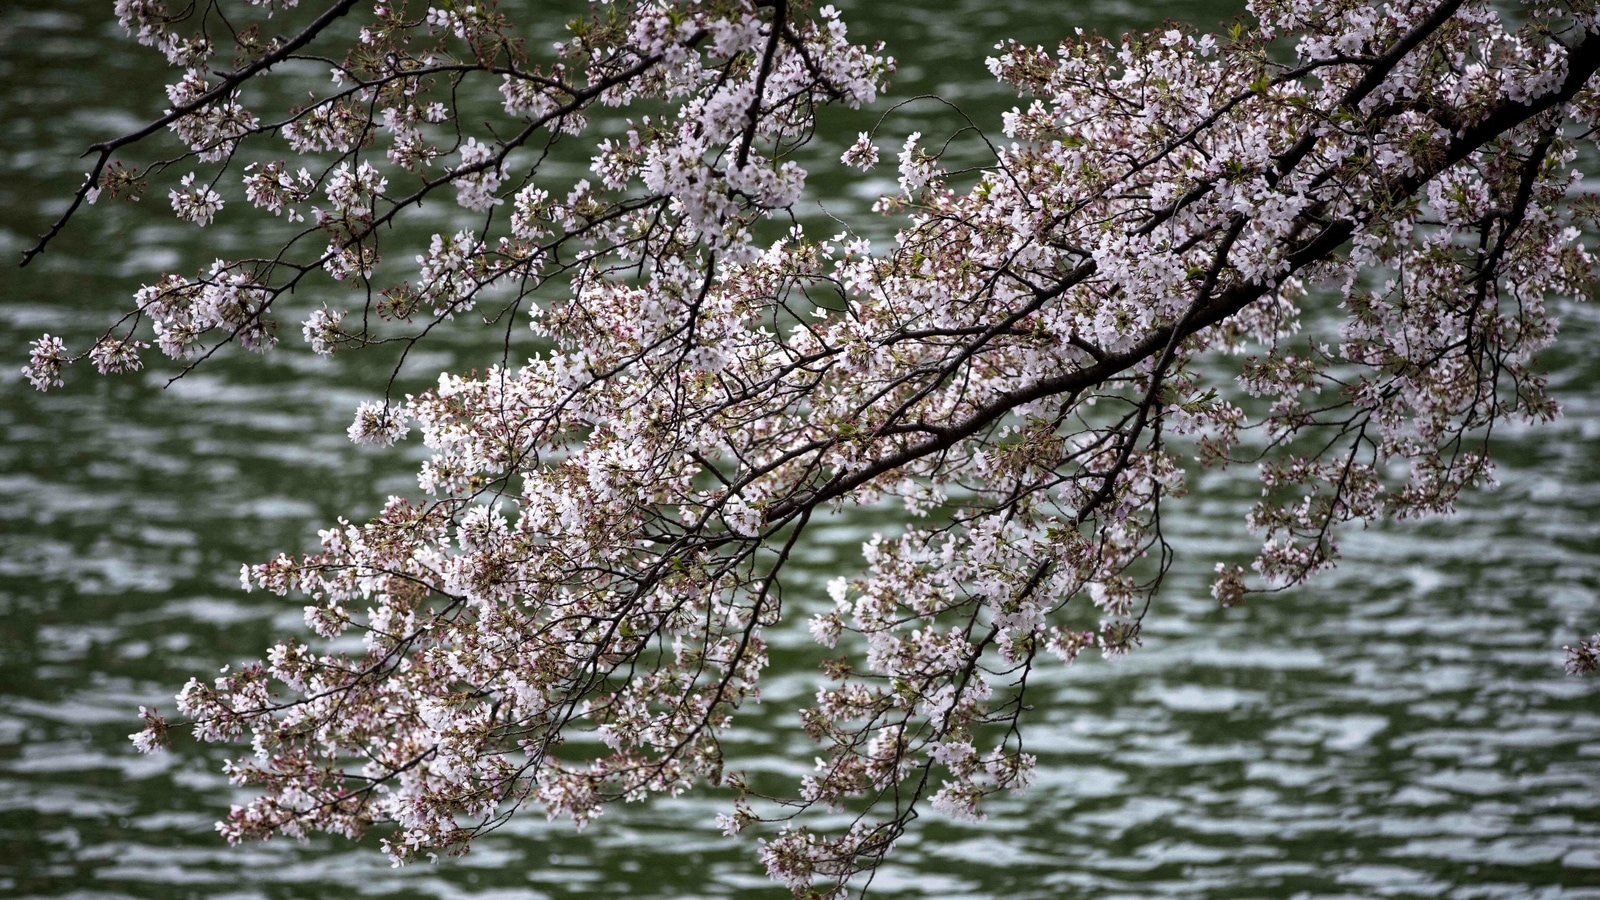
(1401, 728)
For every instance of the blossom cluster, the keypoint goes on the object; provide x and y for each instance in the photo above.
(576, 609)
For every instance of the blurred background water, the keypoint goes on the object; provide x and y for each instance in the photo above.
(1400, 728)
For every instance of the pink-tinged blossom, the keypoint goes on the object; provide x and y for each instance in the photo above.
(153, 737)
(354, 191)
(210, 125)
(378, 423)
(43, 370)
(525, 98)
(1584, 657)
(273, 188)
(409, 148)
(144, 20)
(195, 203)
(178, 340)
(917, 168)
(322, 332)
(958, 800)
(475, 189)
(114, 355)
(863, 154)
(323, 127)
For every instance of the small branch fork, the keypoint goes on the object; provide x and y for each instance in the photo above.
(230, 83)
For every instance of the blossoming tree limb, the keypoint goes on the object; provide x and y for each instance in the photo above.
(572, 612)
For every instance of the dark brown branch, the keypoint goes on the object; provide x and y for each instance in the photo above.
(1582, 63)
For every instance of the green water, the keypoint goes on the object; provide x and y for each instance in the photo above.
(1401, 728)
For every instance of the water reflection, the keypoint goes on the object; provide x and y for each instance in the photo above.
(1399, 729)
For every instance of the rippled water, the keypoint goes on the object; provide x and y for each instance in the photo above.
(1400, 729)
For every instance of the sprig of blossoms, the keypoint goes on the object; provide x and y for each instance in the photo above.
(377, 423)
(354, 191)
(273, 188)
(153, 737)
(322, 331)
(43, 370)
(863, 154)
(195, 203)
(112, 355)
(475, 190)
(1584, 657)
